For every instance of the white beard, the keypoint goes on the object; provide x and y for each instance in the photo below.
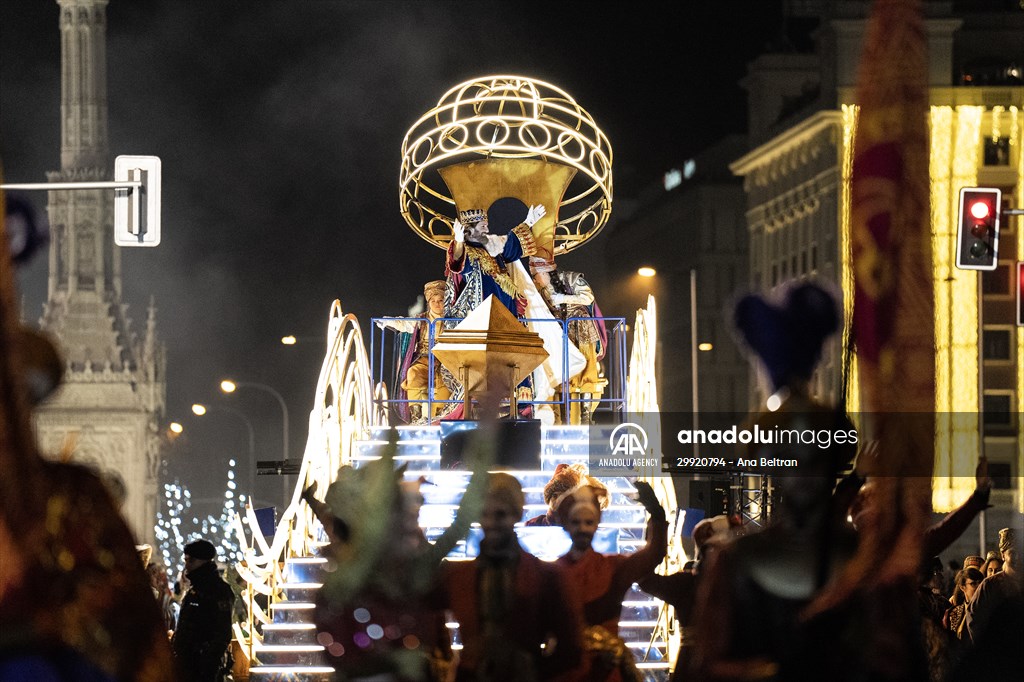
(494, 244)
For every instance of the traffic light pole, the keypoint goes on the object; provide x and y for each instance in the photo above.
(136, 186)
(982, 518)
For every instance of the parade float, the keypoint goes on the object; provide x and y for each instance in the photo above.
(504, 144)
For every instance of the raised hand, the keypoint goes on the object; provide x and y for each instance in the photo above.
(646, 497)
(459, 232)
(534, 214)
(981, 477)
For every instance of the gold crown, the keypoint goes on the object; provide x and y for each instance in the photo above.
(473, 215)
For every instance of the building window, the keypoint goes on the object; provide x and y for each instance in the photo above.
(997, 409)
(997, 151)
(1000, 473)
(814, 257)
(997, 282)
(997, 343)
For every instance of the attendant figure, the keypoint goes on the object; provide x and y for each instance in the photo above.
(566, 479)
(203, 634)
(680, 591)
(569, 295)
(387, 568)
(757, 604)
(416, 357)
(602, 580)
(517, 615)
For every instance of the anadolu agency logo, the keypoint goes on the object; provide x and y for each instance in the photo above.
(628, 440)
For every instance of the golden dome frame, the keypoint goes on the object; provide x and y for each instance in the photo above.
(506, 117)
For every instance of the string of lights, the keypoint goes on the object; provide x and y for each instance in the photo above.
(176, 526)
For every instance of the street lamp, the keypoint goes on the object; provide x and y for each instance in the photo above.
(175, 427)
(200, 410)
(293, 340)
(229, 386)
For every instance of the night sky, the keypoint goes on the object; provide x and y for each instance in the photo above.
(280, 124)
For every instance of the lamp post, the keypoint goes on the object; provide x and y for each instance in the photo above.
(230, 386)
(200, 410)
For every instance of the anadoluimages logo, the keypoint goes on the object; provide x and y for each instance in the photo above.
(629, 440)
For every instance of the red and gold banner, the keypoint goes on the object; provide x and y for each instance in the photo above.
(893, 313)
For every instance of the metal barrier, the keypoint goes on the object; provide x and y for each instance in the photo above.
(386, 345)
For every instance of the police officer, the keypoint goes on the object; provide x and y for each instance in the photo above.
(204, 624)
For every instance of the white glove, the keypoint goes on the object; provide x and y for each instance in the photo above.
(534, 214)
(558, 299)
(459, 232)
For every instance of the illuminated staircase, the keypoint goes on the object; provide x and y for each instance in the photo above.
(289, 650)
(621, 531)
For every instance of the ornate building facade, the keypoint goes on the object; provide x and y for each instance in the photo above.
(107, 411)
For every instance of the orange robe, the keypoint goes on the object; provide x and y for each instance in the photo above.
(541, 607)
(602, 580)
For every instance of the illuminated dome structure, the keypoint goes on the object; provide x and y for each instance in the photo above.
(507, 131)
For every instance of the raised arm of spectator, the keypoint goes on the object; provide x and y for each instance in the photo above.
(945, 532)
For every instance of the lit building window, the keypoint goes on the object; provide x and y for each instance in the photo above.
(997, 151)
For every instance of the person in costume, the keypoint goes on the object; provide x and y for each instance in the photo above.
(680, 589)
(510, 604)
(566, 479)
(568, 295)
(414, 350)
(602, 580)
(386, 567)
(75, 603)
(477, 264)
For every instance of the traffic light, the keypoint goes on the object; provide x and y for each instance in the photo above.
(977, 234)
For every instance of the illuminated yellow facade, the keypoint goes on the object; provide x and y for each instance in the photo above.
(790, 200)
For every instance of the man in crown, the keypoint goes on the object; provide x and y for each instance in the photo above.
(478, 263)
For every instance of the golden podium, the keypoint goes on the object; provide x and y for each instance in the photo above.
(490, 352)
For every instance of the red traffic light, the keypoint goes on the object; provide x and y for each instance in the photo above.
(981, 210)
(977, 239)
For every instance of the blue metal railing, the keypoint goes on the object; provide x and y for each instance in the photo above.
(614, 362)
